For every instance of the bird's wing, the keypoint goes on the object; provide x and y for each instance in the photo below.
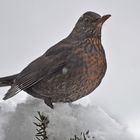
(32, 74)
(45, 66)
(25, 81)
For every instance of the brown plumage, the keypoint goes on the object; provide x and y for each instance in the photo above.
(69, 70)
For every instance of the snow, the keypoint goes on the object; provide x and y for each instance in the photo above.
(66, 120)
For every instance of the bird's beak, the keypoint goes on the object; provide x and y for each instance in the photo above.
(103, 19)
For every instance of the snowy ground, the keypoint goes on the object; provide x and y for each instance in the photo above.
(66, 120)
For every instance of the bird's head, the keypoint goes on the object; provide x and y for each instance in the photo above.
(89, 24)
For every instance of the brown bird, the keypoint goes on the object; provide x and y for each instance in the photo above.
(67, 71)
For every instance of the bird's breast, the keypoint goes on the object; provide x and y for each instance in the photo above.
(93, 56)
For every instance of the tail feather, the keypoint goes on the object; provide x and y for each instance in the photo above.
(11, 92)
(9, 81)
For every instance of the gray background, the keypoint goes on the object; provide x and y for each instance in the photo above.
(29, 27)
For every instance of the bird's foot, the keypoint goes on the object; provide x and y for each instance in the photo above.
(48, 101)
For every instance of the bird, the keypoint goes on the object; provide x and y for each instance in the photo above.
(67, 71)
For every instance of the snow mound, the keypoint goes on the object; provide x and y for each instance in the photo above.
(66, 120)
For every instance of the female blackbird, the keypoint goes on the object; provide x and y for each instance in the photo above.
(67, 71)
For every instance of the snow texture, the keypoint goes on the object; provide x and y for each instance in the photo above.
(66, 120)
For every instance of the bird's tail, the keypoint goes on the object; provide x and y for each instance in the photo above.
(7, 81)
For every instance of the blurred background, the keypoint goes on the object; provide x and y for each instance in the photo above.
(29, 27)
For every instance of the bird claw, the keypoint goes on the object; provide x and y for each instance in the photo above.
(48, 102)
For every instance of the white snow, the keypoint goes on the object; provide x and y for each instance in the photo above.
(66, 120)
